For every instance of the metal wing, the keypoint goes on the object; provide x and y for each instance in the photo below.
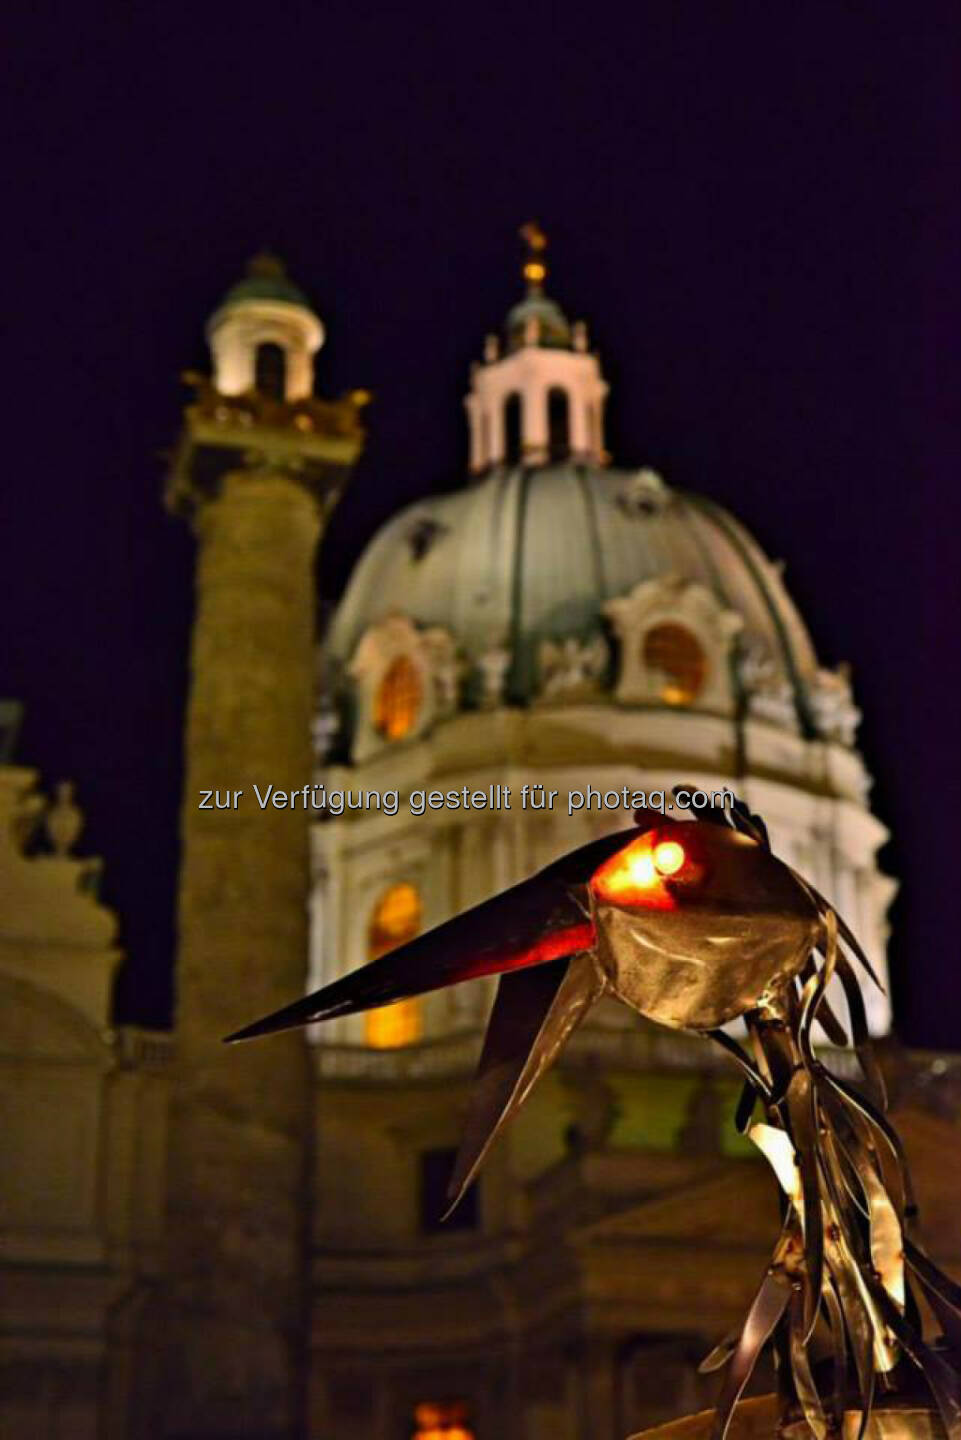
(534, 1013)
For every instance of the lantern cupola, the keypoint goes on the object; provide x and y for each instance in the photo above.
(538, 396)
(264, 335)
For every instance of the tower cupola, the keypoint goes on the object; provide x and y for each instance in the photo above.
(539, 397)
(264, 335)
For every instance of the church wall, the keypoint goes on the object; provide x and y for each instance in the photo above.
(82, 1116)
(412, 1315)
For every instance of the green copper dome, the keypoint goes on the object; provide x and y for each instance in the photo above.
(528, 555)
(554, 330)
(266, 279)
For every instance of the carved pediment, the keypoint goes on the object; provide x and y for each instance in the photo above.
(675, 639)
(407, 678)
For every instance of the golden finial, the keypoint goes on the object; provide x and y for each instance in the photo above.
(535, 268)
(265, 265)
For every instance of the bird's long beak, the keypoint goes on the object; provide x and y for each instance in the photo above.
(542, 919)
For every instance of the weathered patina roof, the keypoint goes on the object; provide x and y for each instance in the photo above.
(266, 279)
(528, 555)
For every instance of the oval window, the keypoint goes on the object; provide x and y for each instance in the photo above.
(676, 660)
(398, 700)
(395, 919)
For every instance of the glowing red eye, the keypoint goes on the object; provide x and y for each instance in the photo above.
(637, 872)
(631, 878)
(668, 857)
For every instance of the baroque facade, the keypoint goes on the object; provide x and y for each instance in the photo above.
(219, 1242)
(83, 1108)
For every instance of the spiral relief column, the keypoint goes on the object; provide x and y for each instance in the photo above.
(258, 469)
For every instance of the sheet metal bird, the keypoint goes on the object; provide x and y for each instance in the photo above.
(693, 922)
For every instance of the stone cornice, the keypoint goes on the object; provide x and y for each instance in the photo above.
(312, 440)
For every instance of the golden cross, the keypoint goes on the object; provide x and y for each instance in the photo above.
(535, 270)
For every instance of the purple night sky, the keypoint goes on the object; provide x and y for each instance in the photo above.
(754, 207)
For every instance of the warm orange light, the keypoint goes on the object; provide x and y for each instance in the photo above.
(397, 703)
(668, 857)
(640, 870)
(653, 872)
(631, 877)
(676, 660)
(390, 1027)
(396, 919)
(442, 1422)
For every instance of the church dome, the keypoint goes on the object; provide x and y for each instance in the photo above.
(559, 626)
(264, 334)
(552, 327)
(266, 279)
(552, 579)
(528, 557)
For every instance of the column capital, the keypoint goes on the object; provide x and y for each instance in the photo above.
(315, 442)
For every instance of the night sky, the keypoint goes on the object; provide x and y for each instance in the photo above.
(755, 208)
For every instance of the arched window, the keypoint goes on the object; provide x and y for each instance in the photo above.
(558, 423)
(398, 699)
(270, 371)
(395, 919)
(513, 429)
(676, 660)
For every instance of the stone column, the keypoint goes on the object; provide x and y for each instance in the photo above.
(535, 424)
(240, 1121)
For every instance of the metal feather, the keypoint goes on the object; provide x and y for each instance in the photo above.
(533, 1015)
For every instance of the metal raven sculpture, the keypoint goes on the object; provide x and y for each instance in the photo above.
(694, 923)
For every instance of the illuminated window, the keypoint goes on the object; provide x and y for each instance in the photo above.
(398, 699)
(395, 920)
(439, 1420)
(676, 654)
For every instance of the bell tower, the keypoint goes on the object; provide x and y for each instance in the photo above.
(258, 468)
(538, 398)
